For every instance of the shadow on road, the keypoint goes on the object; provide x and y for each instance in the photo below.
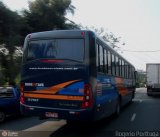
(84, 130)
(155, 96)
(18, 123)
(95, 129)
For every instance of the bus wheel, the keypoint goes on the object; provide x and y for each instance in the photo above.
(149, 94)
(118, 109)
(71, 122)
(2, 116)
(132, 97)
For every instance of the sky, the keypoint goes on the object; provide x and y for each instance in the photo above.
(135, 21)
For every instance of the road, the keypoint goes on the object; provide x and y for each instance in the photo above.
(140, 118)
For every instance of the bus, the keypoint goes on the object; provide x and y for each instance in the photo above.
(73, 75)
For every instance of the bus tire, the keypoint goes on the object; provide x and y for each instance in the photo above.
(118, 108)
(149, 94)
(132, 97)
(2, 116)
(71, 122)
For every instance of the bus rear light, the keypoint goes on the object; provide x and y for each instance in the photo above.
(22, 99)
(51, 61)
(22, 93)
(22, 87)
(87, 104)
(83, 34)
(88, 97)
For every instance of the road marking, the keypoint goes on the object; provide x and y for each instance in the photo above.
(133, 117)
(144, 99)
(47, 126)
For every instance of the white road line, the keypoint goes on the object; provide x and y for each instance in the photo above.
(138, 100)
(47, 126)
(133, 117)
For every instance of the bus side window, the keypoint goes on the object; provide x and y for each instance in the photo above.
(126, 70)
(123, 70)
(109, 62)
(105, 61)
(117, 66)
(97, 58)
(120, 67)
(113, 64)
(129, 71)
(101, 59)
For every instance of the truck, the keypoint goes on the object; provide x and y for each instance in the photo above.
(9, 102)
(153, 78)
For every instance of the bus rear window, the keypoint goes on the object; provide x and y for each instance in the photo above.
(72, 49)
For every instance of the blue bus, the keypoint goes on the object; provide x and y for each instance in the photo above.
(73, 75)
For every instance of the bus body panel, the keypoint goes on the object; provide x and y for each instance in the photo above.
(53, 84)
(55, 87)
(109, 89)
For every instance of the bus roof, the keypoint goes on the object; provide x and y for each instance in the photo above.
(72, 34)
(59, 34)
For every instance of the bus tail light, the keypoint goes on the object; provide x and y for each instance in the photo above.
(83, 34)
(88, 97)
(51, 61)
(22, 93)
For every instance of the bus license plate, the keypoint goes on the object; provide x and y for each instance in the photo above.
(51, 115)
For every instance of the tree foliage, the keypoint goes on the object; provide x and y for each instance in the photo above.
(10, 26)
(46, 15)
(10, 37)
(109, 37)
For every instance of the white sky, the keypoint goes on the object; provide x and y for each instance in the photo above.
(136, 21)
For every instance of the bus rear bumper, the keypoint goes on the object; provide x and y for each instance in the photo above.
(67, 114)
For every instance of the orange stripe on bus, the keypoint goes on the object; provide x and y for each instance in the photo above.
(120, 86)
(55, 89)
(58, 97)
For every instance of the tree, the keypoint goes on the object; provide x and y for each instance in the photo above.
(141, 78)
(46, 15)
(10, 37)
(109, 37)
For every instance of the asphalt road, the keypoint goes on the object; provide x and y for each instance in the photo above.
(141, 118)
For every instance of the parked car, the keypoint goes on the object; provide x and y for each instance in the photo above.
(9, 102)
